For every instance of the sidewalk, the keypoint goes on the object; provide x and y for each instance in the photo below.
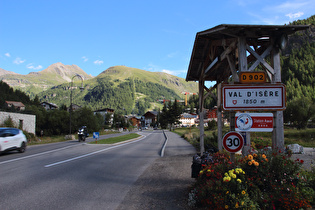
(165, 184)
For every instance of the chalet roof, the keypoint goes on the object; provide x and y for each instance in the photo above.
(15, 103)
(215, 40)
(51, 104)
(105, 110)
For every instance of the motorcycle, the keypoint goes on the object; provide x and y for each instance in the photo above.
(82, 133)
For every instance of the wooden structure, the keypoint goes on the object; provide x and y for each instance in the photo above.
(222, 52)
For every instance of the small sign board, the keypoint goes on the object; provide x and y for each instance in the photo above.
(233, 142)
(253, 97)
(96, 135)
(254, 122)
(252, 77)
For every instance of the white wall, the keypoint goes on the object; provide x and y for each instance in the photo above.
(29, 121)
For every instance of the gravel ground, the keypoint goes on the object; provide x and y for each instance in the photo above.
(164, 185)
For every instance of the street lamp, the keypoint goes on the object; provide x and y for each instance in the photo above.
(81, 88)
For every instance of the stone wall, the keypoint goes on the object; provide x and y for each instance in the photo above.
(25, 122)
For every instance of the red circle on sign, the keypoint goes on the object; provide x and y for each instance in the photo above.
(233, 142)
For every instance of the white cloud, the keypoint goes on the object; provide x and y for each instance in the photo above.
(8, 55)
(172, 55)
(294, 15)
(31, 66)
(85, 59)
(18, 61)
(98, 62)
(174, 72)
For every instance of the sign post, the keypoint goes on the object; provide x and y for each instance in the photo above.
(254, 97)
(233, 142)
(96, 136)
(254, 122)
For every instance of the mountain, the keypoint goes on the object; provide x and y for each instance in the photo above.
(35, 82)
(127, 89)
(4, 72)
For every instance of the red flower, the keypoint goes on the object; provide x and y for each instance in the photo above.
(302, 161)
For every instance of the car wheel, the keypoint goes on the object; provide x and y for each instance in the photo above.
(22, 148)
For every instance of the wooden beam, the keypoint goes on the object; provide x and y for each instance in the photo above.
(260, 59)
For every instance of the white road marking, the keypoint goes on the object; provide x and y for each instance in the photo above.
(92, 153)
(30, 156)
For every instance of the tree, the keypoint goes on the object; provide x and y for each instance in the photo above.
(299, 111)
(170, 115)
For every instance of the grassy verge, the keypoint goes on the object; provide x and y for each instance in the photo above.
(304, 137)
(117, 139)
(54, 139)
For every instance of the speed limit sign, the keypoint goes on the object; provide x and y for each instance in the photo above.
(233, 142)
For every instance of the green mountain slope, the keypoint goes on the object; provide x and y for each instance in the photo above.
(122, 88)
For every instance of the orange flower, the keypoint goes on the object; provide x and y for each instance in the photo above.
(250, 163)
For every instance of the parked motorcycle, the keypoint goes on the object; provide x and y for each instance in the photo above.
(82, 133)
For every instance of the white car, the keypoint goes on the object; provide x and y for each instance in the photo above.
(12, 139)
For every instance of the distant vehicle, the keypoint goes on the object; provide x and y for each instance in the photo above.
(12, 139)
(82, 133)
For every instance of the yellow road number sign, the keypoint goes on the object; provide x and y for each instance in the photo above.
(253, 77)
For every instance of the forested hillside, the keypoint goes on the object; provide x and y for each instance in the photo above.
(298, 74)
(124, 89)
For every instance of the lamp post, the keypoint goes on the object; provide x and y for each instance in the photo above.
(81, 88)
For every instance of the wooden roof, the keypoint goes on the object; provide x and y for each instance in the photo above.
(210, 44)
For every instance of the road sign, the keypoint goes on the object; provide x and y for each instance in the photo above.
(253, 97)
(96, 135)
(253, 77)
(254, 122)
(233, 142)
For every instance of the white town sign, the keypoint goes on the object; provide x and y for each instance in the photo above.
(253, 97)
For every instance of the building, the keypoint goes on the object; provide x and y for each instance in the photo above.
(187, 120)
(211, 114)
(104, 112)
(19, 106)
(150, 118)
(136, 121)
(26, 122)
(49, 106)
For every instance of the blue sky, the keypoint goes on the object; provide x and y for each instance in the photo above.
(150, 35)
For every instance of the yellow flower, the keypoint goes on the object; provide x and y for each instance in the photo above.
(233, 176)
(239, 181)
(226, 206)
(227, 192)
(242, 203)
(236, 205)
(243, 192)
(208, 170)
(201, 172)
(250, 157)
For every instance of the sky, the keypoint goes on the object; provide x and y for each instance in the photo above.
(151, 35)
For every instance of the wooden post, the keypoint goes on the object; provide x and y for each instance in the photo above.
(219, 118)
(201, 116)
(243, 67)
(278, 131)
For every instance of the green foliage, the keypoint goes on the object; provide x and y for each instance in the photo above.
(170, 115)
(8, 123)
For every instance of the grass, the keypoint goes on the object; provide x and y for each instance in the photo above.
(117, 139)
(61, 138)
(304, 137)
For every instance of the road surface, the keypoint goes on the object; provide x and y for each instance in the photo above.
(73, 175)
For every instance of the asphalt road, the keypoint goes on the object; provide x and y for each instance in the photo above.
(73, 175)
